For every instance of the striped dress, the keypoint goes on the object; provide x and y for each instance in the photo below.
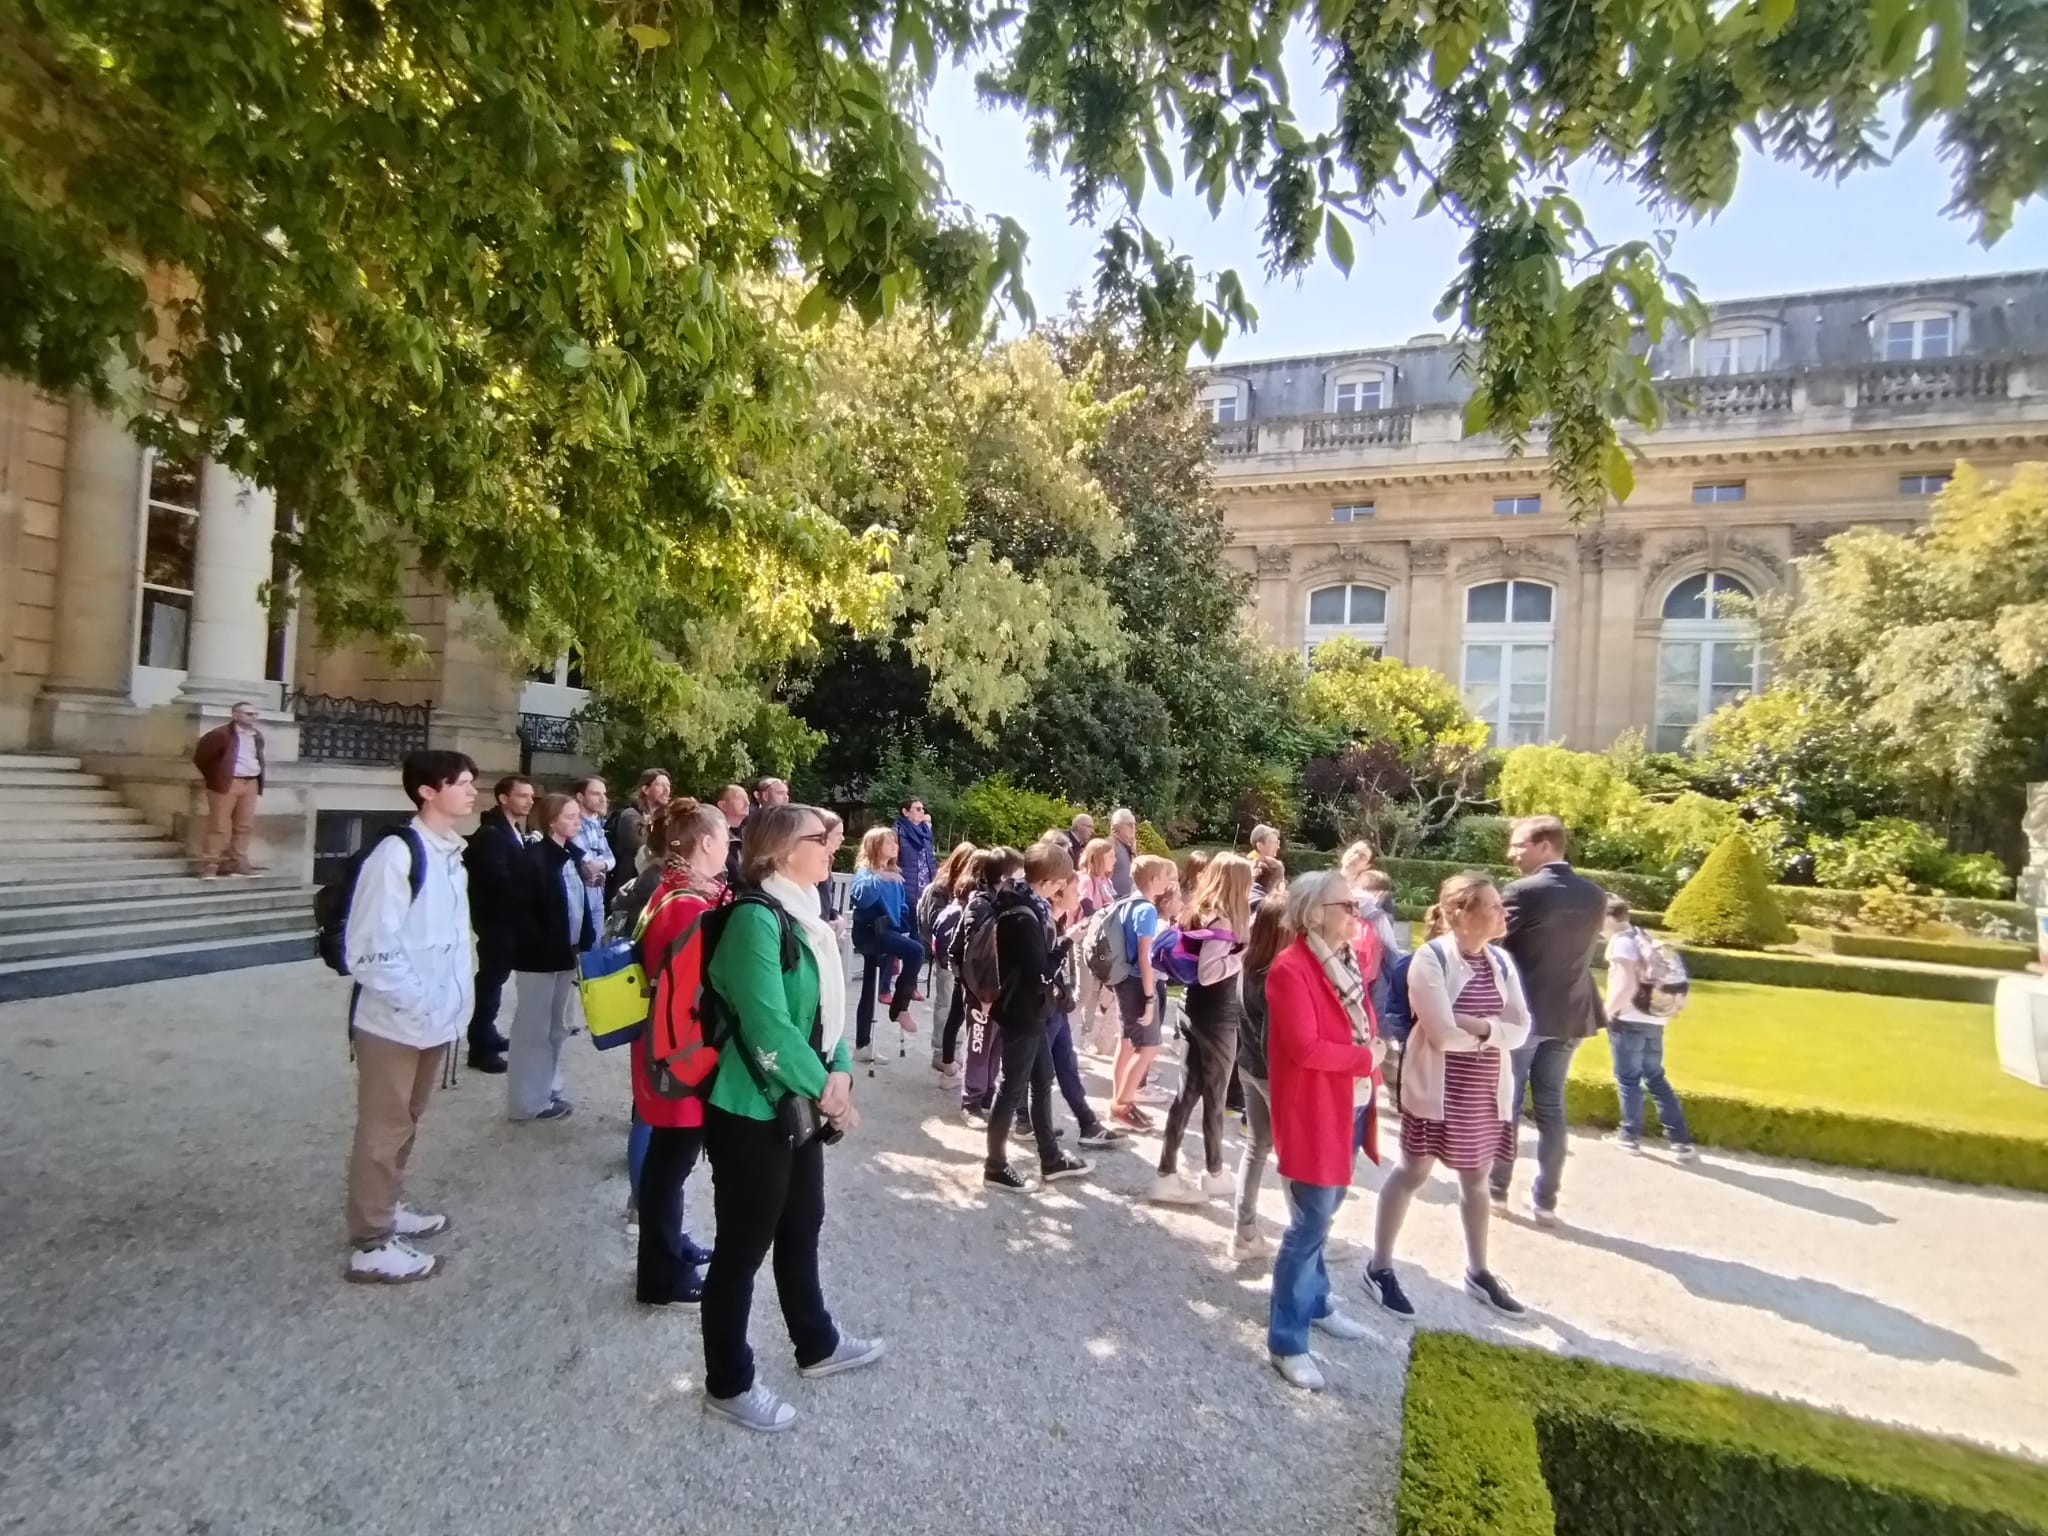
(1471, 1133)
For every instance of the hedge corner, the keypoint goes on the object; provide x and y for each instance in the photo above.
(1729, 902)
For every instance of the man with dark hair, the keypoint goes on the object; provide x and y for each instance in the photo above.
(593, 848)
(626, 831)
(408, 950)
(495, 859)
(1555, 917)
(733, 801)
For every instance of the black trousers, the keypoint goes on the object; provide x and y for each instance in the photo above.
(1027, 1064)
(956, 1015)
(493, 970)
(765, 1196)
(1212, 1053)
(671, 1153)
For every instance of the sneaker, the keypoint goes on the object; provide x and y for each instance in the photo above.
(407, 1222)
(1628, 1141)
(693, 1254)
(1100, 1135)
(491, 1063)
(1131, 1117)
(1340, 1326)
(1543, 1216)
(865, 1053)
(851, 1355)
(1685, 1152)
(978, 1118)
(1159, 1097)
(686, 1294)
(1385, 1288)
(1172, 1189)
(1299, 1371)
(756, 1408)
(1004, 1177)
(1249, 1245)
(1219, 1183)
(1481, 1285)
(1068, 1167)
(391, 1262)
(560, 1109)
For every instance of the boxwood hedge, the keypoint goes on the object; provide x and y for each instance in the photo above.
(1500, 1441)
(1772, 968)
(1987, 953)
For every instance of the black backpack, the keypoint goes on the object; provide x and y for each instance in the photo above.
(718, 1022)
(331, 902)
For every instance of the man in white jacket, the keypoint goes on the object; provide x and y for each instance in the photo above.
(409, 952)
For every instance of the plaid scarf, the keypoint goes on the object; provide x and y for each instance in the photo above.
(1340, 965)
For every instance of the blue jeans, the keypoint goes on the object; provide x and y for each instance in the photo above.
(1541, 1067)
(637, 1136)
(1059, 1038)
(1301, 1283)
(1639, 1064)
(890, 947)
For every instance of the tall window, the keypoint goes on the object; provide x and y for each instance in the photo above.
(1706, 655)
(1733, 349)
(1908, 338)
(1509, 630)
(1357, 611)
(169, 544)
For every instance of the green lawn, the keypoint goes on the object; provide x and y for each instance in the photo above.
(1888, 1058)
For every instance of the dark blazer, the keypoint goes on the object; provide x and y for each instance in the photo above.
(1554, 921)
(496, 860)
(543, 931)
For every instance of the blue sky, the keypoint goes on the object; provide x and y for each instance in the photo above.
(1785, 231)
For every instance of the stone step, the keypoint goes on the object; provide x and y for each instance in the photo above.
(54, 819)
(98, 880)
(12, 779)
(43, 762)
(229, 928)
(48, 842)
(59, 798)
(71, 865)
(215, 898)
(60, 975)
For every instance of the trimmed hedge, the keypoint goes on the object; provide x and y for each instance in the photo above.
(1503, 1441)
(1775, 969)
(1987, 953)
(1829, 1136)
(1819, 907)
(1729, 902)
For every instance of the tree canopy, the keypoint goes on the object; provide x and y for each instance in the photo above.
(497, 286)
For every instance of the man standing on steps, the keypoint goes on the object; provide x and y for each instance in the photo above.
(230, 760)
(408, 950)
(1555, 920)
(496, 861)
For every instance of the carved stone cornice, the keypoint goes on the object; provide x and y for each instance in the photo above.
(1273, 559)
(1348, 559)
(1609, 549)
(1811, 538)
(1509, 559)
(1671, 554)
(1758, 554)
(1428, 557)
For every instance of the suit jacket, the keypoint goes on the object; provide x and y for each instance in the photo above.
(496, 860)
(1554, 921)
(214, 756)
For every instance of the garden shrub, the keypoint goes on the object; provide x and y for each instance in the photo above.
(1889, 909)
(1682, 832)
(1149, 840)
(1728, 903)
(1887, 848)
(1504, 1441)
(1480, 840)
(1779, 969)
(1978, 952)
(995, 811)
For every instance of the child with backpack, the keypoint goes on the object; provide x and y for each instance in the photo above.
(988, 870)
(1129, 927)
(1646, 987)
(884, 932)
(932, 906)
(1216, 925)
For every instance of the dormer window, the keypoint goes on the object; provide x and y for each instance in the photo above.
(1223, 403)
(1914, 333)
(1362, 389)
(1736, 346)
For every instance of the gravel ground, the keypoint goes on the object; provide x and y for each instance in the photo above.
(178, 1354)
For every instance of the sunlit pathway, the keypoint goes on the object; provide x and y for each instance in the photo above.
(178, 1353)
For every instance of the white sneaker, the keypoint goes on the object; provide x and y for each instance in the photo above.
(1299, 1371)
(1220, 1183)
(756, 1408)
(391, 1262)
(1542, 1217)
(1244, 1247)
(411, 1223)
(865, 1053)
(1153, 1094)
(1339, 1326)
(1173, 1189)
(1685, 1152)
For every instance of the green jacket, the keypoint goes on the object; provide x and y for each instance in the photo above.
(776, 1010)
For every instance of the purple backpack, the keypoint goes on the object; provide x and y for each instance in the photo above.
(1176, 951)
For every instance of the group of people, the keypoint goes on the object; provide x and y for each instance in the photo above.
(1296, 1006)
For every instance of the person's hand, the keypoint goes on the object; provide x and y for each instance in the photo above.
(847, 1122)
(1478, 1029)
(837, 1098)
(1379, 1052)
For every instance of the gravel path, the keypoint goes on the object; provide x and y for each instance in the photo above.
(177, 1353)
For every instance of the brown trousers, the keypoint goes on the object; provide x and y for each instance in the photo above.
(230, 817)
(393, 1084)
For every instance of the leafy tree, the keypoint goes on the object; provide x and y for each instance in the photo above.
(1093, 734)
(1795, 755)
(488, 286)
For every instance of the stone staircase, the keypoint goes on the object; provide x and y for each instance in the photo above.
(93, 896)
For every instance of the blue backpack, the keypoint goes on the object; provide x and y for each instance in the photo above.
(1176, 951)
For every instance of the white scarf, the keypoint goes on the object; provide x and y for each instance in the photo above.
(801, 903)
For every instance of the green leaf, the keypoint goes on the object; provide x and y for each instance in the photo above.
(1162, 173)
(648, 37)
(576, 355)
(1338, 240)
(1775, 15)
(1619, 473)
(816, 305)
(1212, 333)
(1478, 412)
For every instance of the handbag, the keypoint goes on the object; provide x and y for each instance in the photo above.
(798, 1118)
(615, 987)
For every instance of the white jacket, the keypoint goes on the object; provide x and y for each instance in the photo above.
(412, 958)
(1436, 976)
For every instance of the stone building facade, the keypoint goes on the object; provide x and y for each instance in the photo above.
(1353, 495)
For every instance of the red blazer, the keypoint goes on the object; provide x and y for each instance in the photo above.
(1311, 1064)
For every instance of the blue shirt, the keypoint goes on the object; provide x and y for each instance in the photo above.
(1140, 924)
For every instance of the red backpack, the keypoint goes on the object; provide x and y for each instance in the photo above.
(680, 1060)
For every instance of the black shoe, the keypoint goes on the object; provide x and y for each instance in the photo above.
(1068, 1167)
(693, 1255)
(492, 1062)
(561, 1109)
(1100, 1135)
(1021, 1129)
(687, 1294)
(1004, 1177)
(1385, 1288)
(1483, 1287)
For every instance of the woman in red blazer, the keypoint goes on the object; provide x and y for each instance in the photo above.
(1319, 1044)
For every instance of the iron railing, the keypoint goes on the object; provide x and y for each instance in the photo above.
(335, 729)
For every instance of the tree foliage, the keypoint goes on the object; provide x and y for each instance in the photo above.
(495, 287)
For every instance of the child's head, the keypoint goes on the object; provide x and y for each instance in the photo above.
(999, 865)
(1376, 883)
(1222, 897)
(1191, 869)
(1617, 916)
(1152, 876)
(1098, 858)
(878, 850)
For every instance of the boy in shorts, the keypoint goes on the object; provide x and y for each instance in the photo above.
(1141, 996)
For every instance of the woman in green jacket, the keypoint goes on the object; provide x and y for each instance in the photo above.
(766, 1195)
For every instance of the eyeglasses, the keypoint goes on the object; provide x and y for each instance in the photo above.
(820, 838)
(1341, 906)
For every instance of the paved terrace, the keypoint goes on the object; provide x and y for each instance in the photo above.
(178, 1353)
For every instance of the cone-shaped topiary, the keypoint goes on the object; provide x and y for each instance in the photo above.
(1149, 840)
(1729, 902)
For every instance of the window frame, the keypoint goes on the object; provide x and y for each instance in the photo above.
(1518, 505)
(1732, 334)
(1708, 636)
(1374, 635)
(1918, 314)
(147, 504)
(1510, 637)
(1379, 377)
(1214, 397)
(1352, 511)
(1711, 487)
(1940, 479)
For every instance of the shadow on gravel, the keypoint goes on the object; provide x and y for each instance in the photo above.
(1806, 1197)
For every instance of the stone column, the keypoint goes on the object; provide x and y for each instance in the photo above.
(92, 652)
(1623, 692)
(1269, 600)
(1432, 629)
(230, 625)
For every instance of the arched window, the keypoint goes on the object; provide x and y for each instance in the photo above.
(1706, 655)
(1358, 611)
(1368, 387)
(1736, 346)
(1509, 630)
(1909, 333)
(1223, 402)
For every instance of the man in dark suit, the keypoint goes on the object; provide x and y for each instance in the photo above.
(1554, 918)
(496, 862)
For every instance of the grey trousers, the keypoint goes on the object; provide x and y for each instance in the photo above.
(1251, 1161)
(547, 1013)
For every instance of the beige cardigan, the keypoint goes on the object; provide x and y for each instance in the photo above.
(1436, 975)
